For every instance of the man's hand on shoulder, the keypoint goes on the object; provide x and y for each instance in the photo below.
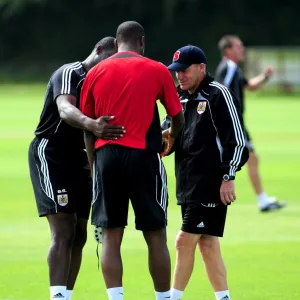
(102, 129)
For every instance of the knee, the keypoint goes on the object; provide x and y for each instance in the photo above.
(156, 239)
(186, 241)
(112, 238)
(209, 246)
(80, 236)
(63, 237)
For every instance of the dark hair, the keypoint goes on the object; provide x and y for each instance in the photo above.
(130, 32)
(107, 43)
(226, 42)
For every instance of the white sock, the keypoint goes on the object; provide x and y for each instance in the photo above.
(263, 199)
(223, 295)
(162, 295)
(69, 294)
(56, 290)
(176, 294)
(115, 293)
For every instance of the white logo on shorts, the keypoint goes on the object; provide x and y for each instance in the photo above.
(210, 205)
(201, 225)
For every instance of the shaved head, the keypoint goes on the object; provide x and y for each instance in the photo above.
(130, 32)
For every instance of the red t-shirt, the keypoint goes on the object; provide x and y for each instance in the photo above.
(127, 86)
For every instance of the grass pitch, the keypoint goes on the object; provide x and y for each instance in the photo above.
(261, 251)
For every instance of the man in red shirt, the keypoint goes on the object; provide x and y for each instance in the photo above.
(127, 86)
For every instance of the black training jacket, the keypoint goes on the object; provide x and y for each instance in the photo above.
(211, 143)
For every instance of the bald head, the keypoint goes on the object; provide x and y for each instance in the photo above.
(130, 37)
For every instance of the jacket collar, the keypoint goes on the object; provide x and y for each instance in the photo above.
(203, 88)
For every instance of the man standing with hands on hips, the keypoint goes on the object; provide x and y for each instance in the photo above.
(209, 151)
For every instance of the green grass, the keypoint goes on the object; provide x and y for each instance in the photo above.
(262, 252)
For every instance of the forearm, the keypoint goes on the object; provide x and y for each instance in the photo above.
(89, 141)
(74, 117)
(177, 123)
(256, 82)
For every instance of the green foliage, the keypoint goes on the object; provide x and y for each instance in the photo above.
(13, 7)
(34, 32)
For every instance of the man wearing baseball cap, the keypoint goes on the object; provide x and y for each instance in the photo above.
(208, 153)
(185, 57)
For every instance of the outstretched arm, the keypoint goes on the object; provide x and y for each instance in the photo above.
(254, 83)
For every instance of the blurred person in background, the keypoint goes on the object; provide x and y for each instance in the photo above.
(208, 153)
(59, 168)
(229, 74)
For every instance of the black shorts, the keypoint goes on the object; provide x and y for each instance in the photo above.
(61, 181)
(121, 174)
(204, 219)
(248, 141)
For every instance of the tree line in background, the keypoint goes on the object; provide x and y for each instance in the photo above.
(38, 35)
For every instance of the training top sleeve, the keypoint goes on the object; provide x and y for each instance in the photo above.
(64, 82)
(229, 124)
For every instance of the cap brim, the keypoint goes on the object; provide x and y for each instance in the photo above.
(177, 67)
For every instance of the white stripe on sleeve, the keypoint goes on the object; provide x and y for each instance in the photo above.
(66, 77)
(238, 132)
